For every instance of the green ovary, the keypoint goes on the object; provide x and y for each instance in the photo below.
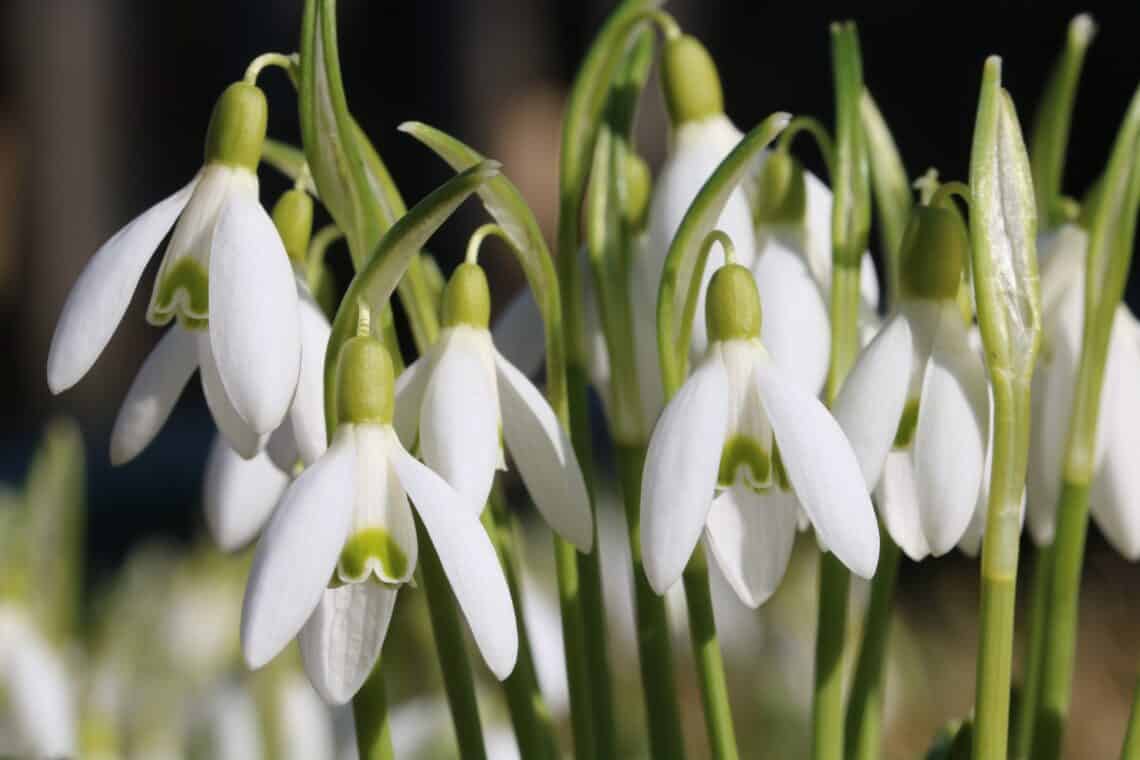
(742, 451)
(369, 544)
(908, 423)
(182, 291)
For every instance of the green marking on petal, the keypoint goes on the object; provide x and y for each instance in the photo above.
(371, 544)
(183, 291)
(742, 451)
(908, 423)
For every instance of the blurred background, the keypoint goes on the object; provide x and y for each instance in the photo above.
(103, 107)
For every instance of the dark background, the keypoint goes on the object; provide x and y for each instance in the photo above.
(103, 107)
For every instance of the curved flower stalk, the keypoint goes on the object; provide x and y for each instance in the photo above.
(920, 387)
(463, 394)
(1114, 483)
(226, 278)
(39, 699)
(730, 450)
(347, 517)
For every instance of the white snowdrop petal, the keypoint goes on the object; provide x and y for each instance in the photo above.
(410, 387)
(237, 432)
(459, 424)
(468, 558)
(949, 440)
(1115, 497)
(382, 503)
(304, 722)
(40, 706)
(680, 472)
(519, 333)
(795, 327)
(307, 413)
(281, 447)
(751, 536)
(897, 497)
(297, 552)
(871, 401)
(229, 726)
(545, 457)
(239, 494)
(255, 328)
(100, 297)
(153, 394)
(342, 640)
(822, 469)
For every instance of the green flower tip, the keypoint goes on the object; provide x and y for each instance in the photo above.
(293, 217)
(732, 307)
(467, 298)
(365, 381)
(368, 548)
(781, 194)
(237, 127)
(638, 185)
(935, 248)
(743, 451)
(691, 82)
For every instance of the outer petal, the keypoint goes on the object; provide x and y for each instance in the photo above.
(240, 494)
(795, 328)
(949, 441)
(307, 414)
(680, 472)
(751, 535)
(236, 431)
(822, 469)
(153, 394)
(230, 727)
(545, 457)
(519, 333)
(410, 387)
(459, 427)
(305, 723)
(1115, 497)
(871, 401)
(897, 497)
(297, 553)
(103, 291)
(468, 559)
(40, 703)
(344, 636)
(254, 323)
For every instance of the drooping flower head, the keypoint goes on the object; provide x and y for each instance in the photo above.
(343, 543)
(224, 276)
(735, 450)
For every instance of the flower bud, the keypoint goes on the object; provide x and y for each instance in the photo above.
(781, 194)
(293, 217)
(237, 127)
(638, 185)
(692, 85)
(732, 307)
(934, 248)
(467, 298)
(365, 382)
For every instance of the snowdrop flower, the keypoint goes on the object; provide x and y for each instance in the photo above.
(39, 717)
(343, 542)
(739, 428)
(224, 276)
(919, 388)
(461, 393)
(1114, 487)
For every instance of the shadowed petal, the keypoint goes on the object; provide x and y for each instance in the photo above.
(239, 494)
(751, 536)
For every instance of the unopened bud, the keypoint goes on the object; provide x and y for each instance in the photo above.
(365, 382)
(732, 306)
(691, 82)
(935, 247)
(467, 298)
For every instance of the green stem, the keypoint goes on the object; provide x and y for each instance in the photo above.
(863, 734)
(1034, 655)
(370, 713)
(529, 714)
(1060, 644)
(827, 705)
(663, 713)
(574, 645)
(706, 653)
(1131, 750)
(458, 682)
(999, 567)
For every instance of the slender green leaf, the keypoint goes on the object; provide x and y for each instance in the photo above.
(374, 284)
(288, 160)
